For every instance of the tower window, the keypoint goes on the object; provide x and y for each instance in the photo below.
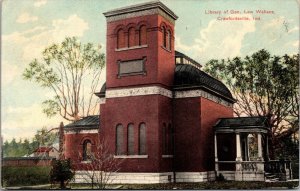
(131, 37)
(130, 138)
(168, 40)
(164, 32)
(120, 39)
(119, 139)
(142, 139)
(87, 150)
(143, 35)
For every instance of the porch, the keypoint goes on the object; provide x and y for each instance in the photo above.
(241, 151)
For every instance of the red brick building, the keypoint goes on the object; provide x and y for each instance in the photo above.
(158, 108)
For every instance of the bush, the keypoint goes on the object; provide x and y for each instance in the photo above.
(16, 176)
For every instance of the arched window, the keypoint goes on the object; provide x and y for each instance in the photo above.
(143, 35)
(164, 33)
(120, 39)
(119, 139)
(87, 150)
(130, 138)
(131, 37)
(142, 139)
(168, 40)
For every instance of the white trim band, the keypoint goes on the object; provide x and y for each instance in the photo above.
(156, 90)
(76, 131)
(141, 91)
(131, 156)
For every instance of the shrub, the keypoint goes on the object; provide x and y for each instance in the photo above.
(33, 175)
(220, 177)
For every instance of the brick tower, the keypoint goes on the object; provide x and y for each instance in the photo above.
(136, 102)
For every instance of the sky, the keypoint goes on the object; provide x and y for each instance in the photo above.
(29, 26)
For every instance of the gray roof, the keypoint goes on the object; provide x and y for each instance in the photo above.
(188, 76)
(89, 122)
(242, 123)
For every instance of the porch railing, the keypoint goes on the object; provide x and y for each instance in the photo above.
(274, 166)
(242, 165)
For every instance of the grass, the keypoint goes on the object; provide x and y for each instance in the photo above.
(199, 186)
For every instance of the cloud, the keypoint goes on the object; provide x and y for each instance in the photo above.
(220, 39)
(296, 43)
(29, 120)
(25, 18)
(39, 3)
(32, 42)
(9, 73)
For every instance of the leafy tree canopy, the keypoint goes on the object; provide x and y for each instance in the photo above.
(71, 70)
(263, 85)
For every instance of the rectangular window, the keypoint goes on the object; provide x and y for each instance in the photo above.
(131, 67)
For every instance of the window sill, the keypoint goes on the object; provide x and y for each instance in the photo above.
(166, 49)
(131, 156)
(144, 73)
(86, 161)
(167, 156)
(131, 48)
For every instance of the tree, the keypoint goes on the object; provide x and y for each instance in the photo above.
(263, 85)
(66, 69)
(61, 172)
(99, 167)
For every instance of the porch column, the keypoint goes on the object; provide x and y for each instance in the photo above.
(238, 152)
(267, 148)
(216, 153)
(260, 166)
(259, 145)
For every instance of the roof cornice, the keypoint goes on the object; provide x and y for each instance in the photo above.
(140, 8)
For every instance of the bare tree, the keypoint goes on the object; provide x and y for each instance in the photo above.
(71, 70)
(98, 166)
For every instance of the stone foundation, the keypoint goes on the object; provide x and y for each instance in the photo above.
(149, 178)
(242, 175)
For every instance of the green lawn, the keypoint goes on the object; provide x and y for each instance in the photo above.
(202, 185)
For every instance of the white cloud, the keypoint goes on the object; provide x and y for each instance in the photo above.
(8, 73)
(33, 41)
(25, 18)
(23, 122)
(296, 43)
(220, 39)
(39, 3)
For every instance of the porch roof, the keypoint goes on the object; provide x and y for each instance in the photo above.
(242, 124)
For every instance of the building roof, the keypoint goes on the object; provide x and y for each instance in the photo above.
(141, 7)
(188, 76)
(89, 122)
(242, 124)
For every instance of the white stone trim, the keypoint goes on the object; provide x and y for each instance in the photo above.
(156, 90)
(131, 48)
(201, 93)
(243, 175)
(140, 91)
(138, 14)
(195, 176)
(83, 131)
(131, 156)
(102, 100)
(129, 178)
